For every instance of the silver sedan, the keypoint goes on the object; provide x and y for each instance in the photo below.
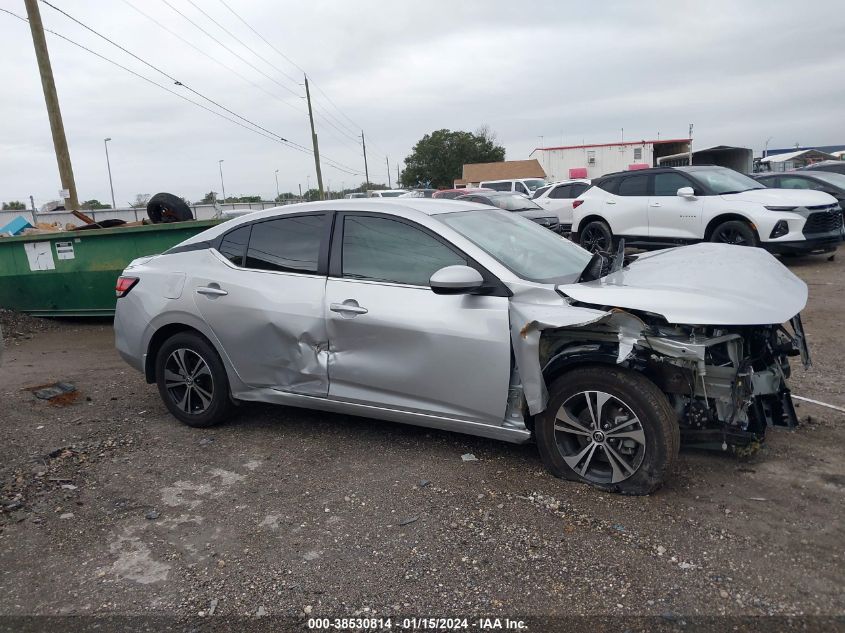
(460, 317)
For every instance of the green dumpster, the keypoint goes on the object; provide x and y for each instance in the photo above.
(73, 273)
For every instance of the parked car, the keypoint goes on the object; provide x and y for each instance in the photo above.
(516, 203)
(386, 193)
(559, 197)
(836, 166)
(451, 194)
(826, 181)
(458, 317)
(682, 205)
(419, 193)
(351, 196)
(526, 186)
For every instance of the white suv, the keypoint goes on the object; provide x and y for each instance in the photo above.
(667, 206)
(517, 185)
(558, 198)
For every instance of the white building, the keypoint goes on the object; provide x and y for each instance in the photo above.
(592, 161)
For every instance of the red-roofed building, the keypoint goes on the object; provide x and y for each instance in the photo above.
(571, 161)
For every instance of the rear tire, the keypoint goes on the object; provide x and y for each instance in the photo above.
(734, 232)
(596, 236)
(192, 381)
(633, 447)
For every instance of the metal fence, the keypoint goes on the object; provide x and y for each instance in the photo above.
(200, 211)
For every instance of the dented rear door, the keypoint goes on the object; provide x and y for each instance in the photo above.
(262, 293)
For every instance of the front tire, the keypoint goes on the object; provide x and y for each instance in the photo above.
(734, 232)
(192, 381)
(596, 236)
(609, 427)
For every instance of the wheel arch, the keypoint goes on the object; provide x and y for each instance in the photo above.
(578, 355)
(592, 217)
(731, 216)
(158, 339)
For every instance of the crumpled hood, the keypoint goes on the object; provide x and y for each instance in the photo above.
(703, 284)
(783, 197)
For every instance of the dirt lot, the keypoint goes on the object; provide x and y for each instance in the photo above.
(112, 507)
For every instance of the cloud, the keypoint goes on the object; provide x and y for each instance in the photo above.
(741, 72)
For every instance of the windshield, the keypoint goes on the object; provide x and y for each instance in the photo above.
(533, 183)
(831, 177)
(522, 246)
(721, 181)
(516, 202)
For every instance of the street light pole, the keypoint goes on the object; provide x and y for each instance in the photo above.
(278, 195)
(222, 186)
(108, 166)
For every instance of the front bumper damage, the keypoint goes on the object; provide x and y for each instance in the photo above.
(728, 384)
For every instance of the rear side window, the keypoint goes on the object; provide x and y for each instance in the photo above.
(668, 184)
(634, 186)
(578, 189)
(286, 244)
(381, 249)
(608, 184)
(233, 245)
(564, 191)
(794, 182)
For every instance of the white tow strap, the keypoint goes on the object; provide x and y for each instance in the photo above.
(821, 404)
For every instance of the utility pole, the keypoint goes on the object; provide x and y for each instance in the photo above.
(387, 162)
(222, 186)
(108, 166)
(690, 144)
(397, 175)
(278, 195)
(52, 100)
(300, 191)
(366, 171)
(314, 140)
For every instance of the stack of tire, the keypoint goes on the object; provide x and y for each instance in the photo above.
(165, 208)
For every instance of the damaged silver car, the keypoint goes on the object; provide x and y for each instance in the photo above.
(457, 316)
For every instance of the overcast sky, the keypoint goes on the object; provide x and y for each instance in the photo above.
(568, 72)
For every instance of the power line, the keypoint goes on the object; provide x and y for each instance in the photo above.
(289, 144)
(240, 57)
(355, 127)
(212, 58)
(337, 165)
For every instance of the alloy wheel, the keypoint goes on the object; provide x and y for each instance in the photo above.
(594, 240)
(731, 236)
(188, 381)
(599, 437)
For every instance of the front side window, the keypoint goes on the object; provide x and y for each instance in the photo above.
(791, 182)
(381, 249)
(668, 184)
(564, 191)
(286, 244)
(534, 183)
(634, 186)
(519, 187)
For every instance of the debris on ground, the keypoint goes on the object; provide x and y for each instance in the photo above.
(17, 326)
(469, 457)
(57, 393)
(408, 521)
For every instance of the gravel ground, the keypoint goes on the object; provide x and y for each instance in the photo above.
(109, 506)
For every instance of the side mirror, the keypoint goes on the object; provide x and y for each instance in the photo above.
(455, 280)
(686, 192)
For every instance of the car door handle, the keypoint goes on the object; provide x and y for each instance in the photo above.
(211, 291)
(349, 308)
(655, 204)
(610, 201)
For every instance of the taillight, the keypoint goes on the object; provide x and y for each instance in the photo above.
(577, 203)
(124, 285)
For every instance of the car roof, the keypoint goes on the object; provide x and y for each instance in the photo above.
(658, 170)
(497, 194)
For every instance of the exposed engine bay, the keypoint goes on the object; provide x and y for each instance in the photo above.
(728, 384)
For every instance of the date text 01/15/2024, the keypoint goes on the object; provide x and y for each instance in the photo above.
(416, 623)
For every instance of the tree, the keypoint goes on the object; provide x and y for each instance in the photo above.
(93, 205)
(232, 199)
(208, 198)
(141, 200)
(14, 205)
(286, 196)
(438, 158)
